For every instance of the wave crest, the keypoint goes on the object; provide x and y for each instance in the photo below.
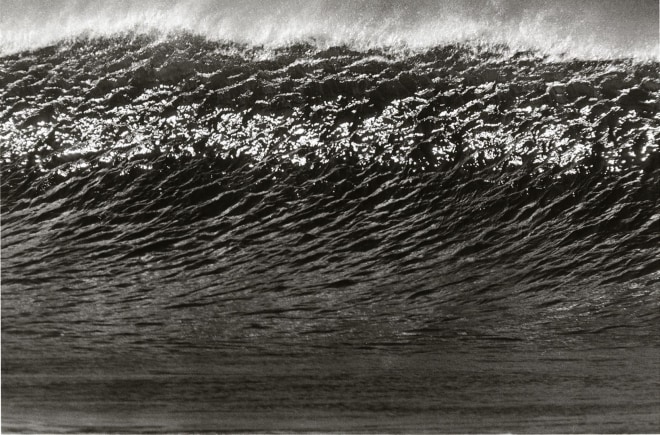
(588, 29)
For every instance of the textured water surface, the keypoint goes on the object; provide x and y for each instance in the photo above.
(202, 236)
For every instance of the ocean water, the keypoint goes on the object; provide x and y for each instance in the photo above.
(308, 216)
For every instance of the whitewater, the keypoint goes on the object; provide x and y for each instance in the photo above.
(366, 216)
(587, 29)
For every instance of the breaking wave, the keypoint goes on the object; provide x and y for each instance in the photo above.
(332, 180)
(191, 206)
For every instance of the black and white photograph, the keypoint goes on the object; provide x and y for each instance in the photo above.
(330, 216)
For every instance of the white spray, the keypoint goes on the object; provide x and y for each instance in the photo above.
(580, 29)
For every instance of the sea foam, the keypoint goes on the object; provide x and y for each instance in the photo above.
(588, 29)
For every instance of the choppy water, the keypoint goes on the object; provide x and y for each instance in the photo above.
(201, 235)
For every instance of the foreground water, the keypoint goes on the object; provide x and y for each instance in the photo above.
(203, 236)
(453, 386)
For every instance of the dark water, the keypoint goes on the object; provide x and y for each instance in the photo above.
(204, 236)
(449, 386)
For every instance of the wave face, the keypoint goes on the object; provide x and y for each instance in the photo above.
(173, 201)
(585, 29)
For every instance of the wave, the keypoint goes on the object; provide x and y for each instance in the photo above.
(174, 205)
(454, 158)
(188, 200)
(588, 29)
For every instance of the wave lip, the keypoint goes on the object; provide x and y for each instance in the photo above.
(589, 29)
